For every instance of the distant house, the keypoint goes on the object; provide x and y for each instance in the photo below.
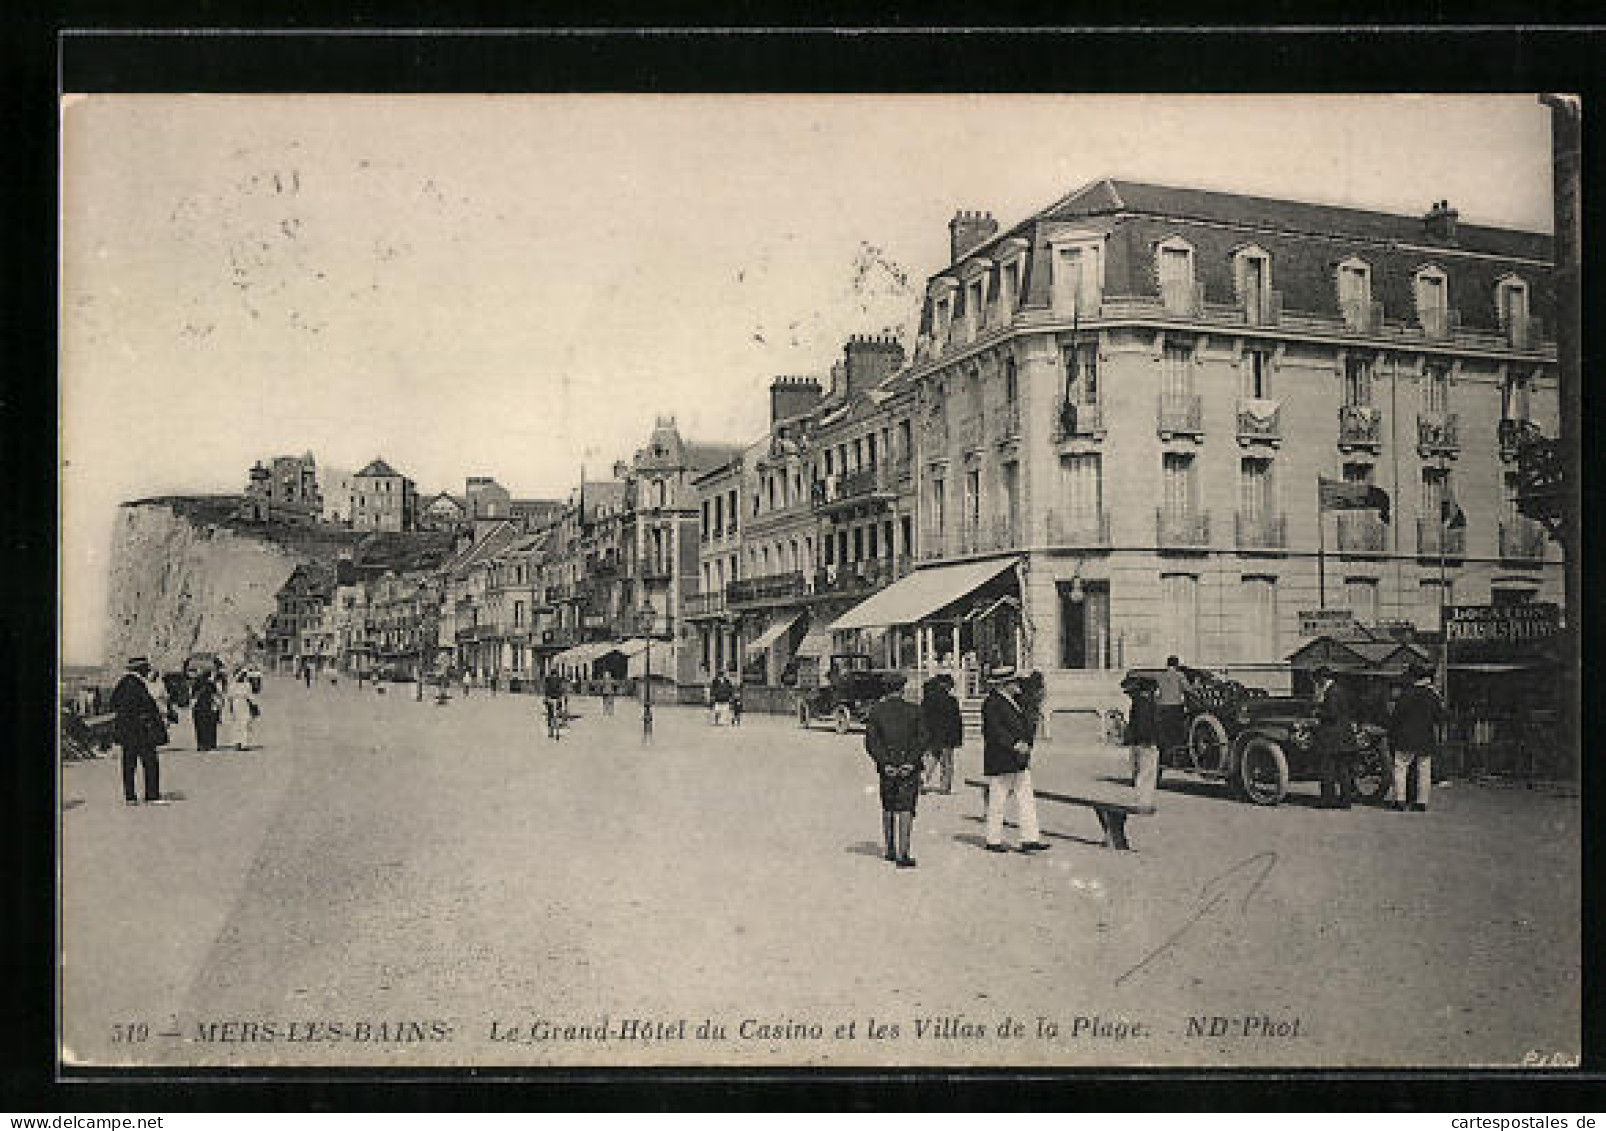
(283, 490)
(442, 512)
(383, 499)
(336, 485)
(536, 514)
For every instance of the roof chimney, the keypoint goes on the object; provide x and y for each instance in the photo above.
(1440, 222)
(869, 360)
(968, 230)
(792, 396)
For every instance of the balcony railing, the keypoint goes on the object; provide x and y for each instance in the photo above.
(705, 604)
(1439, 323)
(861, 577)
(1266, 312)
(1361, 316)
(1522, 540)
(1181, 529)
(1078, 419)
(1360, 424)
(1181, 414)
(1077, 528)
(1433, 538)
(858, 484)
(1259, 419)
(773, 587)
(1361, 533)
(1438, 432)
(1262, 531)
(1523, 332)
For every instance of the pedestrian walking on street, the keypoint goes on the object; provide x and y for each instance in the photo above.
(552, 704)
(243, 710)
(495, 678)
(892, 739)
(205, 709)
(719, 698)
(736, 704)
(608, 692)
(306, 674)
(1171, 696)
(140, 729)
(1336, 745)
(944, 732)
(468, 682)
(1007, 736)
(1142, 738)
(1414, 739)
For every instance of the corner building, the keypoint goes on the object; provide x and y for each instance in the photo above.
(1131, 396)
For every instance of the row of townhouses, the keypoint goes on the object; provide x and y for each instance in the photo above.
(1104, 448)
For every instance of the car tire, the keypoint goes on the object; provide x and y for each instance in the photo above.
(803, 717)
(1206, 734)
(1262, 774)
(844, 720)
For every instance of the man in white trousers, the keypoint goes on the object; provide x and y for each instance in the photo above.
(1008, 730)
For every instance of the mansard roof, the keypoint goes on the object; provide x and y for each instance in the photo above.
(378, 467)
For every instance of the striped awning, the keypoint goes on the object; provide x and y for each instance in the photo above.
(913, 598)
(778, 628)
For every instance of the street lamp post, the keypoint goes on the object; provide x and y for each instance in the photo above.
(647, 615)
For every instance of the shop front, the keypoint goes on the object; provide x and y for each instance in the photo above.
(1503, 694)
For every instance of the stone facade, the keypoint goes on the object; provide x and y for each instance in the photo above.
(383, 499)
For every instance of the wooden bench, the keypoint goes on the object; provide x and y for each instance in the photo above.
(1112, 813)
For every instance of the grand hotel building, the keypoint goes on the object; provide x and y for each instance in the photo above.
(1219, 353)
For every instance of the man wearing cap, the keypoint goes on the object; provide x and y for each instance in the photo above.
(140, 730)
(1007, 733)
(1335, 741)
(892, 739)
(1413, 737)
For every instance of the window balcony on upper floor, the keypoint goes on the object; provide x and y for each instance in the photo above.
(1360, 425)
(1179, 529)
(1180, 414)
(1259, 419)
(1079, 420)
(1523, 332)
(1438, 323)
(1267, 310)
(1438, 433)
(874, 481)
(861, 577)
(1361, 532)
(1522, 540)
(1361, 316)
(1260, 530)
(1078, 528)
(771, 587)
(1434, 539)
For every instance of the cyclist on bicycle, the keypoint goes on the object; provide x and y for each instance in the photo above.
(553, 694)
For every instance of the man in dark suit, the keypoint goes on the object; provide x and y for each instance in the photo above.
(893, 740)
(1008, 731)
(140, 729)
(1335, 741)
(1414, 738)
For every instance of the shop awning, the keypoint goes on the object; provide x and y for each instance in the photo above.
(581, 655)
(922, 593)
(778, 628)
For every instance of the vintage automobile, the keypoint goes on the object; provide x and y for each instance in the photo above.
(1257, 744)
(846, 693)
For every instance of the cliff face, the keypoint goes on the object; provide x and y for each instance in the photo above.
(180, 584)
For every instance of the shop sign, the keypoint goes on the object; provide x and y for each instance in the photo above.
(1325, 622)
(1501, 631)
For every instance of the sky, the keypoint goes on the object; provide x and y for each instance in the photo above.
(517, 286)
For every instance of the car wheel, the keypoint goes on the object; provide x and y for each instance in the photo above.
(844, 720)
(1207, 745)
(1374, 774)
(803, 715)
(1263, 771)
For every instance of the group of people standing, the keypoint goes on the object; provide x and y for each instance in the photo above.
(1413, 727)
(724, 701)
(143, 711)
(913, 748)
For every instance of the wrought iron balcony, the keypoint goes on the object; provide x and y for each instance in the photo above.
(1362, 316)
(1522, 540)
(1439, 323)
(1360, 425)
(1433, 538)
(772, 587)
(1078, 528)
(1181, 414)
(1077, 419)
(1256, 423)
(1360, 532)
(1260, 531)
(705, 604)
(865, 483)
(862, 577)
(1267, 312)
(1182, 529)
(1438, 433)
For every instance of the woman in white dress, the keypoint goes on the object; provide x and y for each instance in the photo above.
(241, 705)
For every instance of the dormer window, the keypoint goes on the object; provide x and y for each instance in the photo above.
(1511, 305)
(1432, 290)
(1251, 273)
(975, 304)
(1355, 294)
(1077, 270)
(1174, 269)
(942, 313)
(1009, 278)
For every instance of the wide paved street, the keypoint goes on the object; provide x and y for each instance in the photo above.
(399, 883)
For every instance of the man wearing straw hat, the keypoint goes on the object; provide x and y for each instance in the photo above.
(1007, 733)
(1413, 737)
